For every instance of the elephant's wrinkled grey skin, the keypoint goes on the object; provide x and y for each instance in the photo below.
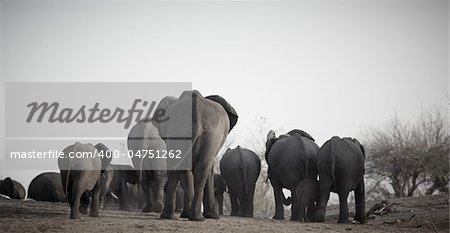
(81, 175)
(208, 123)
(240, 169)
(47, 186)
(151, 172)
(341, 170)
(287, 157)
(163, 104)
(12, 189)
(307, 195)
(219, 188)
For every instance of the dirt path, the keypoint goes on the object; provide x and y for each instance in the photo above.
(431, 213)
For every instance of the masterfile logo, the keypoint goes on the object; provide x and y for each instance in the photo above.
(83, 109)
(44, 118)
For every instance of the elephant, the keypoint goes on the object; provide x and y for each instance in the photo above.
(121, 176)
(12, 189)
(341, 169)
(82, 174)
(219, 188)
(307, 195)
(290, 158)
(47, 186)
(152, 173)
(240, 169)
(206, 121)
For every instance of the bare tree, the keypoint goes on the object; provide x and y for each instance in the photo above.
(410, 155)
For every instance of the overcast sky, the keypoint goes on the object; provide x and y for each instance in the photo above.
(327, 67)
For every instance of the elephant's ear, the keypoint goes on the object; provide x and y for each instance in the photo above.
(271, 139)
(106, 160)
(7, 187)
(232, 114)
(130, 176)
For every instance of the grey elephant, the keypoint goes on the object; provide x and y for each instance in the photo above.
(105, 183)
(143, 138)
(206, 122)
(307, 196)
(12, 189)
(47, 186)
(341, 170)
(240, 169)
(219, 188)
(289, 158)
(81, 175)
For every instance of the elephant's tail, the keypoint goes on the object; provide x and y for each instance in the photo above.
(244, 170)
(333, 152)
(67, 179)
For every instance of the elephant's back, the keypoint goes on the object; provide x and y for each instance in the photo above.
(12, 188)
(240, 158)
(285, 162)
(46, 187)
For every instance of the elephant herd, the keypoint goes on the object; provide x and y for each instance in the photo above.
(295, 162)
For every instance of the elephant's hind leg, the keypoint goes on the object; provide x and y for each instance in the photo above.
(95, 200)
(343, 207)
(210, 208)
(170, 200)
(234, 202)
(201, 171)
(278, 193)
(295, 206)
(74, 212)
(187, 183)
(360, 201)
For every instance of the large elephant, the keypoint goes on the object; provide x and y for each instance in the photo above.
(240, 169)
(47, 186)
(12, 189)
(82, 174)
(341, 169)
(219, 188)
(307, 195)
(290, 157)
(144, 139)
(206, 122)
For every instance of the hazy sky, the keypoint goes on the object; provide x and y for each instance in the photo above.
(327, 67)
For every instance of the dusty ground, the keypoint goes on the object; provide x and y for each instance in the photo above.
(431, 215)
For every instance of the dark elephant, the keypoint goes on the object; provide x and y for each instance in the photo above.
(240, 169)
(122, 175)
(144, 140)
(47, 187)
(289, 158)
(307, 197)
(81, 175)
(219, 188)
(206, 122)
(12, 189)
(341, 170)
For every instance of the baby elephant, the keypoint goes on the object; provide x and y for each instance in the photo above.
(307, 195)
